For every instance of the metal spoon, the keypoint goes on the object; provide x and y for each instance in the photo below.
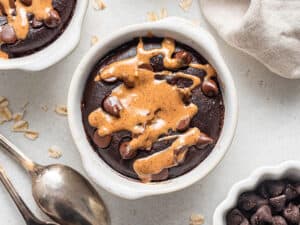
(61, 192)
(24, 210)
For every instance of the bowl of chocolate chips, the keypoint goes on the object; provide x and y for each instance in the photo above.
(33, 33)
(152, 108)
(271, 195)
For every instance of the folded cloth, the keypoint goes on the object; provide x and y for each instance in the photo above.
(269, 30)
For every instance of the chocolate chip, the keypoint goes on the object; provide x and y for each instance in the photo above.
(12, 4)
(292, 213)
(235, 217)
(275, 188)
(8, 35)
(30, 16)
(245, 222)
(171, 79)
(183, 124)
(125, 151)
(26, 2)
(250, 201)
(278, 203)
(101, 142)
(157, 63)
(146, 66)
(112, 105)
(163, 175)
(297, 186)
(110, 80)
(3, 20)
(278, 220)
(128, 83)
(203, 141)
(13, 12)
(263, 215)
(210, 88)
(184, 57)
(36, 23)
(290, 192)
(262, 190)
(53, 19)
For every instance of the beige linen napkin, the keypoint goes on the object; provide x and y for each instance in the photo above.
(269, 30)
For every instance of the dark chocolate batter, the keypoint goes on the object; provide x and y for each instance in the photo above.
(40, 35)
(209, 118)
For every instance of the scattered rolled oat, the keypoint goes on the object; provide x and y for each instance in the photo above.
(163, 13)
(61, 110)
(196, 219)
(20, 126)
(2, 98)
(99, 4)
(6, 114)
(54, 152)
(18, 116)
(185, 4)
(94, 40)
(44, 108)
(32, 135)
(3, 102)
(152, 16)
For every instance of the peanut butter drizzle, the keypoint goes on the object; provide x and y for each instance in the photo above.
(167, 158)
(20, 23)
(151, 108)
(210, 71)
(3, 55)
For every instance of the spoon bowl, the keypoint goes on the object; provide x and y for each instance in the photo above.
(67, 196)
(61, 192)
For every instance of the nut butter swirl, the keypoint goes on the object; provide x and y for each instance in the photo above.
(150, 108)
(17, 13)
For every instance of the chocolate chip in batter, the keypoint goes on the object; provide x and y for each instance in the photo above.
(8, 35)
(53, 19)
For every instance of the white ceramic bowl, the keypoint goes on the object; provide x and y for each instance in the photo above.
(100, 172)
(54, 52)
(289, 169)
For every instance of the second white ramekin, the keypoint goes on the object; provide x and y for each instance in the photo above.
(54, 52)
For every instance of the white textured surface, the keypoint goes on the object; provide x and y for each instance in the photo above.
(268, 130)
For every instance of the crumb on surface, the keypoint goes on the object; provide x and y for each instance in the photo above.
(94, 40)
(196, 219)
(185, 4)
(54, 152)
(61, 110)
(99, 5)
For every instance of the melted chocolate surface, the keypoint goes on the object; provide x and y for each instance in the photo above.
(209, 118)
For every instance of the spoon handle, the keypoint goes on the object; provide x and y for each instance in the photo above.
(29, 165)
(24, 210)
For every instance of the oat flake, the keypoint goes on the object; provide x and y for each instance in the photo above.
(185, 4)
(94, 40)
(61, 110)
(18, 116)
(99, 4)
(20, 126)
(54, 152)
(32, 135)
(196, 219)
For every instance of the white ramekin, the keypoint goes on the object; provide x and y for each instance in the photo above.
(100, 172)
(54, 52)
(288, 169)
